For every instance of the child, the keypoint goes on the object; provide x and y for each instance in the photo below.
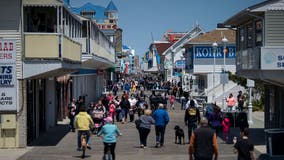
(226, 129)
(111, 109)
(172, 101)
(110, 132)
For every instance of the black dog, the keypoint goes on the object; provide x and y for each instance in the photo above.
(179, 135)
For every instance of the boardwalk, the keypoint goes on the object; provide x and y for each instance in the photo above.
(60, 144)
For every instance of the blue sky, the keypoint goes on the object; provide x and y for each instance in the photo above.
(140, 18)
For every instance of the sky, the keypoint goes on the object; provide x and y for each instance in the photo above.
(140, 19)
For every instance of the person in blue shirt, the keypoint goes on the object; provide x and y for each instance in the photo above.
(161, 118)
(110, 131)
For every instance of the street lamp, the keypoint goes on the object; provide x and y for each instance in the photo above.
(214, 45)
(224, 41)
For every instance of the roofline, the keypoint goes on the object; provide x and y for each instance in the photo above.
(247, 10)
(60, 4)
(167, 50)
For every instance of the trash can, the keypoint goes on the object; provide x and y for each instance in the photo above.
(274, 142)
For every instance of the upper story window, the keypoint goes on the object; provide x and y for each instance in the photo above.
(258, 33)
(241, 39)
(89, 14)
(249, 37)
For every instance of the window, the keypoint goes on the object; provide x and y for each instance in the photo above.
(258, 33)
(89, 14)
(241, 38)
(249, 36)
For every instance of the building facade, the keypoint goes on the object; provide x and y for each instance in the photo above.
(42, 43)
(260, 52)
(207, 64)
(174, 59)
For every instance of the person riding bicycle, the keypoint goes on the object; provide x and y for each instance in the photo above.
(82, 123)
(110, 131)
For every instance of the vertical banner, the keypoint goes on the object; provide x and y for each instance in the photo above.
(8, 88)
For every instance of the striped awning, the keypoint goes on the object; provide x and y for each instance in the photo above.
(43, 3)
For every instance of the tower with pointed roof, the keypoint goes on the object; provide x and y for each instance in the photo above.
(112, 13)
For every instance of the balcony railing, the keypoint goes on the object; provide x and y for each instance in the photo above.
(47, 46)
(102, 52)
(248, 59)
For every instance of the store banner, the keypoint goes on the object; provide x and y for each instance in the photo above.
(272, 58)
(8, 89)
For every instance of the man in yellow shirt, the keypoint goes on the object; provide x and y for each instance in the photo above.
(82, 123)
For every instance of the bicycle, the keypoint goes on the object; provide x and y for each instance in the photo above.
(83, 144)
(108, 155)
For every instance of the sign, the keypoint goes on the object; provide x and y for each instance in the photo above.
(8, 89)
(224, 78)
(208, 52)
(8, 99)
(7, 51)
(272, 58)
(180, 64)
(7, 75)
(250, 83)
(107, 26)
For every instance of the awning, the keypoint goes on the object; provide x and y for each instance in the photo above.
(152, 70)
(42, 3)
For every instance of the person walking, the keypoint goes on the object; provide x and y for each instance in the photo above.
(231, 102)
(145, 127)
(191, 118)
(243, 147)
(132, 101)
(172, 101)
(203, 143)
(242, 121)
(215, 119)
(82, 123)
(109, 132)
(161, 118)
(241, 100)
(125, 106)
(226, 129)
(72, 113)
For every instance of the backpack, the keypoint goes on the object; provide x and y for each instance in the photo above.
(137, 123)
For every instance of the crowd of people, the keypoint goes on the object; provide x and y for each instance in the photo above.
(202, 131)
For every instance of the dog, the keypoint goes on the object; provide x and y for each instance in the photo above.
(179, 135)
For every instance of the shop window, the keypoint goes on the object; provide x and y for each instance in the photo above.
(258, 33)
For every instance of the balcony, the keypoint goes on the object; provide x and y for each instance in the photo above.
(47, 46)
(264, 63)
(44, 57)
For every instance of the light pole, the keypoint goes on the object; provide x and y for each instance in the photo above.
(224, 41)
(250, 85)
(214, 45)
(173, 61)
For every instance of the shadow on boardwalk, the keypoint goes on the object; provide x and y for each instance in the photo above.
(52, 137)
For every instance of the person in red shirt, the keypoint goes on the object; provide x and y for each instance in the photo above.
(172, 101)
(226, 129)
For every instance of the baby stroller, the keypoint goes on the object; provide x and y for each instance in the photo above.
(98, 118)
